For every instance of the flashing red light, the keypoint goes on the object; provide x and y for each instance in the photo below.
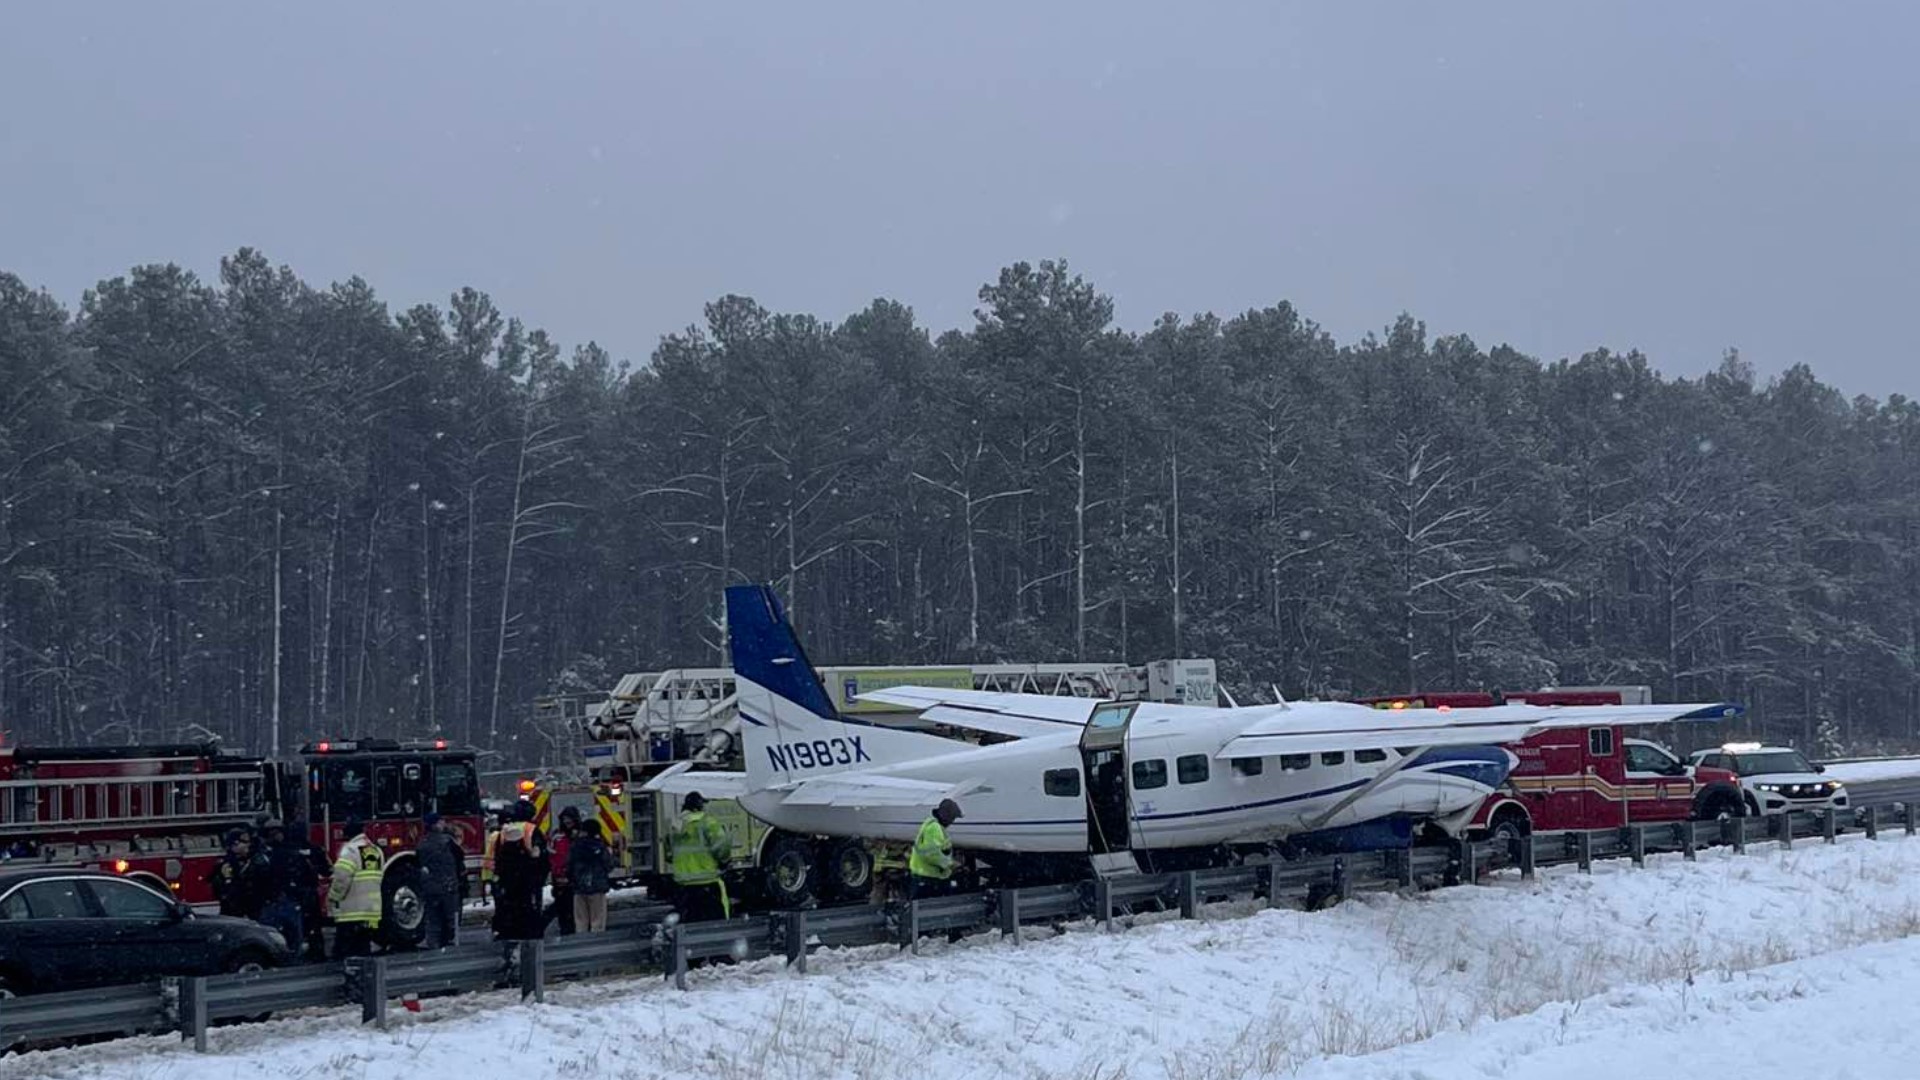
(439, 744)
(120, 866)
(526, 787)
(324, 747)
(1444, 708)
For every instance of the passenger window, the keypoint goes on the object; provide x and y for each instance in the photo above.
(125, 900)
(1600, 742)
(1337, 757)
(14, 906)
(1149, 774)
(1062, 782)
(1192, 768)
(1248, 766)
(55, 900)
(386, 791)
(1369, 757)
(1295, 762)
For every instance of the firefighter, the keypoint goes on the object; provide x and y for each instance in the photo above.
(700, 850)
(930, 863)
(354, 897)
(443, 881)
(520, 869)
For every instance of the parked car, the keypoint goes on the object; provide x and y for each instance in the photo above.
(63, 928)
(1775, 779)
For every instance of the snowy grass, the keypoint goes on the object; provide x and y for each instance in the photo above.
(1241, 993)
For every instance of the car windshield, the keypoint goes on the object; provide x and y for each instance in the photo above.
(1773, 761)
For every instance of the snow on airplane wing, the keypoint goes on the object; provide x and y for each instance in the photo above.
(1058, 709)
(1308, 727)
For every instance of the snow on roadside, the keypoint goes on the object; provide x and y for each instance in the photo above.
(1844, 1015)
(1232, 996)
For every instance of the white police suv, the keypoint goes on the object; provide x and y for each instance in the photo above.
(1775, 779)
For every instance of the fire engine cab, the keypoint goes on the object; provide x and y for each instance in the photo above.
(1586, 778)
(161, 813)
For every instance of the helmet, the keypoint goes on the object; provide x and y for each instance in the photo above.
(693, 801)
(570, 814)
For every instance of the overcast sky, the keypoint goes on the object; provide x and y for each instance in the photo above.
(1674, 177)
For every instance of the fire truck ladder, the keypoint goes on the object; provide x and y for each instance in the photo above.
(44, 807)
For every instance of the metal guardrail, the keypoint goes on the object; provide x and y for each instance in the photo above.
(650, 939)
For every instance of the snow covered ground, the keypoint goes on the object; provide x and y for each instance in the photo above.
(1767, 964)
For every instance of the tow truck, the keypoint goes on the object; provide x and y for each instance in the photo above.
(1586, 778)
(161, 813)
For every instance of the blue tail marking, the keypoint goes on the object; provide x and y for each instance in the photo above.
(766, 651)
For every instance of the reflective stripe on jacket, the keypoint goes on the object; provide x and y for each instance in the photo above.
(700, 848)
(932, 855)
(354, 896)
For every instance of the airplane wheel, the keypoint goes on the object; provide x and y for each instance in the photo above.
(788, 871)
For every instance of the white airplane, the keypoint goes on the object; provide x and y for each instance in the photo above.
(1103, 780)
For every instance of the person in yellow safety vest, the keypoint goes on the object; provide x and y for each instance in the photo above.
(353, 899)
(700, 851)
(930, 863)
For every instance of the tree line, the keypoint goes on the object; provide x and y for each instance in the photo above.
(257, 505)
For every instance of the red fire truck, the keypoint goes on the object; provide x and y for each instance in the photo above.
(161, 813)
(1586, 778)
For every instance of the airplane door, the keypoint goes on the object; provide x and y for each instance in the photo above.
(1103, 754)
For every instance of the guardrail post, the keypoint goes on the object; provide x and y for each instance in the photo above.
(679, 956)
(1689, 848)
(1009, 910)
(1911, 816)
(1270, 881)
(533, 971)
(1189, 896)
(797, 940)
(1103, 903)
(1403, 867)
(1785, 831)
(1873, 822)
(193, 1011)
(1342, 881)
(1583, 851)
(1734, 830)
(1520, 850)
(371, 976)
(913, 926)
(1830, 825)
(1637, 845)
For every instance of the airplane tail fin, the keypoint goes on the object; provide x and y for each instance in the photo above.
(790, 729)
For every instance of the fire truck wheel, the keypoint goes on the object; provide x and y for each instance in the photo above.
(403, 915)
(788, 870)
(1720, 806)
(1508, 828)
(849, 870)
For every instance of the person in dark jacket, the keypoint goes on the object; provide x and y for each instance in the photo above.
(292, 877)
(244, 879)
(590, 868)
(562, 906)
(443, 882)
(520, 867)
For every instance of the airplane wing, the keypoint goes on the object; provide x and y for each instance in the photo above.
(860, 791)
(1020, 715)
(1311, 728)
(681, 780)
